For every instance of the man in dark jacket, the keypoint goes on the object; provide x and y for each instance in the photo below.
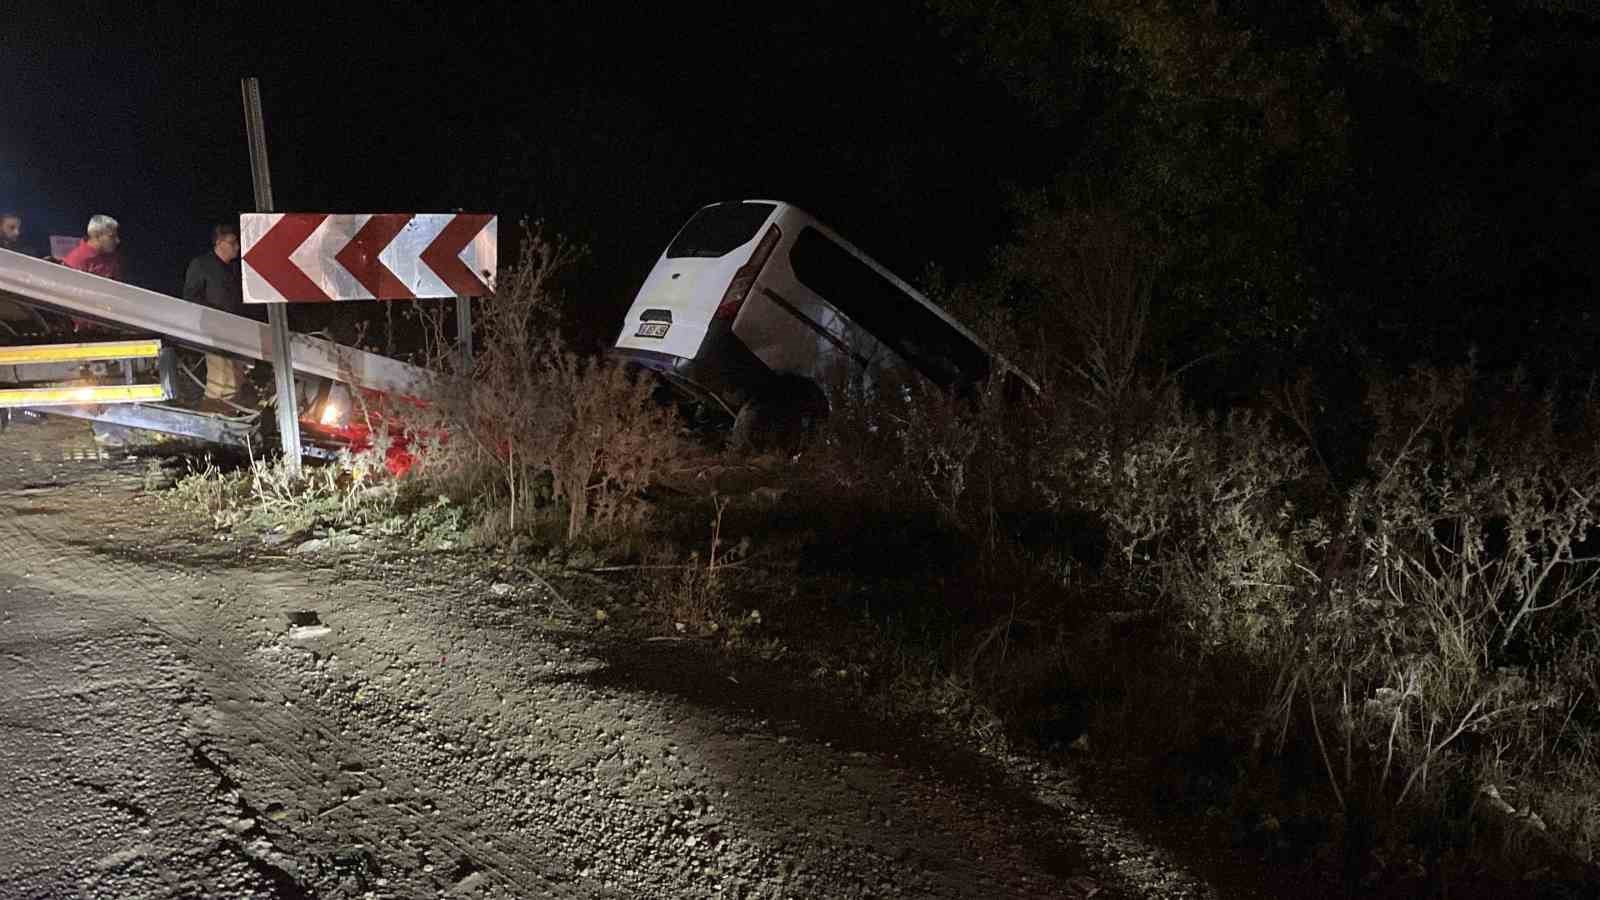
(11, 231)
(11, 239)
(214, 280)
(14, 317)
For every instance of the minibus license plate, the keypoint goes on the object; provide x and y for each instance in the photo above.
(653, 329)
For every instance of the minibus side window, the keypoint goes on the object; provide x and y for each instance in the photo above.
(942, 354)
(719, 229)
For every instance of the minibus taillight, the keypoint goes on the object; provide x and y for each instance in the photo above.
(745, 278)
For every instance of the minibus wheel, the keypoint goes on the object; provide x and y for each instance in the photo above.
(781, 416)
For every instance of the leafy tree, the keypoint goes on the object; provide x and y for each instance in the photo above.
(1403, 177)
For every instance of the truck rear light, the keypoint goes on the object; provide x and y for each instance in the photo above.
(745, 278)
(332, 413)
(331, 405)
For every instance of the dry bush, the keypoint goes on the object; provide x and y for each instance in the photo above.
(1097, 268)
(964, 458)
(1545, 766)
(1083, 284)
(1434, 625)
(528, 421)
(345, 493)
(1455, 643)
(479, 432)
(351, 492)
(608, 442)
(1199, 514)
(899, 442)
(693, 591)
(219, 496)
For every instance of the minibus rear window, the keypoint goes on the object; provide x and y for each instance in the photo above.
(718, 230)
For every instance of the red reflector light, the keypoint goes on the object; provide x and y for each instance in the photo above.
(745, 279)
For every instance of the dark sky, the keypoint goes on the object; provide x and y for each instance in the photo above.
(610, 123)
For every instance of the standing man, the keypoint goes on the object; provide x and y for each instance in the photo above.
(97, 254)
(11, 231)
(214, 280)
(12, 314)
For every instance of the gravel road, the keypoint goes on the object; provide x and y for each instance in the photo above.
(184, 716)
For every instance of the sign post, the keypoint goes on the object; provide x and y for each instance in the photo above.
(277, 313)
(464, 331)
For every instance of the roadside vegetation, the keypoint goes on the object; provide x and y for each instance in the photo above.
(1302, 524)
(1357, 629)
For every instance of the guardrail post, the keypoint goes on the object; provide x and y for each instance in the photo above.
(277, 313)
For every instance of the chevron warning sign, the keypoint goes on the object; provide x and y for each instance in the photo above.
(321, 257)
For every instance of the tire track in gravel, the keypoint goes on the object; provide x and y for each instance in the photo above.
(252, 742)
(627, 790)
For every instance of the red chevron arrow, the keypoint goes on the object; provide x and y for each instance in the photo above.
(360, 256)
(270, 257)
(443, 256)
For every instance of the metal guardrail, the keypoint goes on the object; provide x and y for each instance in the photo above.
(87, 352)
(71, 374)
(78, 395)
(35, 282)
(168, 420)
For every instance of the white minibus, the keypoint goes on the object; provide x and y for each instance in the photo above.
(755, 305)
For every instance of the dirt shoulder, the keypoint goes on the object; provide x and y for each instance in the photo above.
(186, 714)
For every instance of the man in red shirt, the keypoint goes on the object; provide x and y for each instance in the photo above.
(97, 254)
